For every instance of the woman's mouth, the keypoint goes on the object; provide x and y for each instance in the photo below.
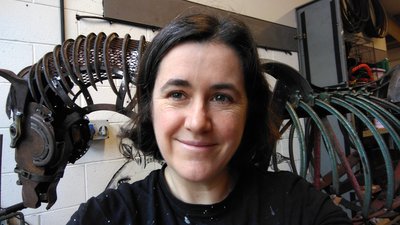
(197, 145)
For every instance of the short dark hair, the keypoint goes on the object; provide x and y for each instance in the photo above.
(259, 136)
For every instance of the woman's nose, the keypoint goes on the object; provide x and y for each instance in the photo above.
(198, 119)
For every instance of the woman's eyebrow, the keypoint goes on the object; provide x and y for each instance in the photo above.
(175, 82)
(225, 86)
(185, 83)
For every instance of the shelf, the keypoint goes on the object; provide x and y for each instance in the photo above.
(368, 133)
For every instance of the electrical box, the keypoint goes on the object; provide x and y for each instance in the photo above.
(322, 52)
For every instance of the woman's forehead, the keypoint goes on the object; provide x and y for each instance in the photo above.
(193, 60)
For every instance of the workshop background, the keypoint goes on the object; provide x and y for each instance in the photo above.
(31, 28)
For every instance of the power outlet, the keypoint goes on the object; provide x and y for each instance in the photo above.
(99, 129)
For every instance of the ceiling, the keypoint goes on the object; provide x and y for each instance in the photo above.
(392, 8)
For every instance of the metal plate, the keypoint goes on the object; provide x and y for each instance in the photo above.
(156, 13)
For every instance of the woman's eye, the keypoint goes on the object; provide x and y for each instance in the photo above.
(176, 95)
(222, 98)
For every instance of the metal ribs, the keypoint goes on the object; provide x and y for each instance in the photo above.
(366, 167)
(78, 64)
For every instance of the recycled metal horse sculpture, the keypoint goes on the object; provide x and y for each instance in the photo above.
(50, 128)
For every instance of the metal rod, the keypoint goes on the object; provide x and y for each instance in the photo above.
(327, 141)
(291, 155)
(62, 20)
(300, 133)
(379, 139)
(381, 110)
(360, 150)
(12, 209)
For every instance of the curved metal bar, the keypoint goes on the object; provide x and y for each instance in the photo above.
(285, 127)
(381, 143)
(67, 45)
(54, 83)
(131, 105)
(291, 155)
(86, 95)
(385, 103)
(31, 81)
(109, 107)
(141, 47)
(41, 88)
(382, 146)
(107, 61)
(75, 58)
(308, 129)
(64, 55)
(383, 112)
(360, 148)
(327, 141)
(98, 53)
(282, 130)
(127, 78)
(377, 115)
(300, 133)
(296, 83)
(46, 71)
(61, 74)
(119, 101)
(87, 55)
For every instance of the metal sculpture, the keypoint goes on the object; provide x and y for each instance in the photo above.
(50, 128)
(371, 176)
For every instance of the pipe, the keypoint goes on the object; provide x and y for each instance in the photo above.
(62, 21)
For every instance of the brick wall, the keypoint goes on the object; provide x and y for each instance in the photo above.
(29, 29)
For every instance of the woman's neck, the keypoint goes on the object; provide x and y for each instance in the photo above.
(208, 192)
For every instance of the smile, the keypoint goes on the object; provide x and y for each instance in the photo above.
(197, 145)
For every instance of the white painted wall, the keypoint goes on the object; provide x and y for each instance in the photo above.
(29, 29)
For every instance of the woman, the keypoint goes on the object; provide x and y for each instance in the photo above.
(203, 109)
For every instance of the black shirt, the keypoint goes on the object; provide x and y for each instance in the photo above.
(269, 198)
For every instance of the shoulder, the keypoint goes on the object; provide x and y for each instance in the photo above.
(281, 179)
(284, 183)
(128, 194)
(294, 198)
(121, 204)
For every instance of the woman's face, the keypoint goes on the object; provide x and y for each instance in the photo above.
(199, 109)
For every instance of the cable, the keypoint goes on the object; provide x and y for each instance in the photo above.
(377, 25)
(354, 15)
(367, 16)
